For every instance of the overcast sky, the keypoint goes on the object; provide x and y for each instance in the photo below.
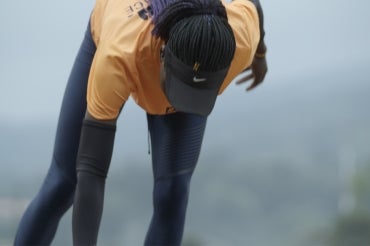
(39, 40)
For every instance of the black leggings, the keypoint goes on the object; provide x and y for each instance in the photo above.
(175, 139)
(41, 218)
(176, 142)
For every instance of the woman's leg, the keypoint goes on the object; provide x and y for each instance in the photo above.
(176, 142)
(40, 221)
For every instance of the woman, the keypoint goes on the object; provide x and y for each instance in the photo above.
(173, 57)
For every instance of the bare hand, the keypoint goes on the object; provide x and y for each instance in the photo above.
(258, 72)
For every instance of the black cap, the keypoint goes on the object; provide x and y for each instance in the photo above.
(190, 90)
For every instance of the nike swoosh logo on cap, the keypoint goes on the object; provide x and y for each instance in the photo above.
(197, 80)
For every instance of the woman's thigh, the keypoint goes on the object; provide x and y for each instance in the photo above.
(73, 108)
(176, 141)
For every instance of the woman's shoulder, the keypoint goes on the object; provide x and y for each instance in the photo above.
(120, 21)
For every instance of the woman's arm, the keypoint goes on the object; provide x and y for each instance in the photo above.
(258, 67)
(93, 160)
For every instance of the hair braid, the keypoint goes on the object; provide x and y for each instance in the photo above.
(196, 31)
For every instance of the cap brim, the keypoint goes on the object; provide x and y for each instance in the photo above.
(189, 90)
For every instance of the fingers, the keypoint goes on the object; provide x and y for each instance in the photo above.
(252, 86)
(257, 73)
(244, 79)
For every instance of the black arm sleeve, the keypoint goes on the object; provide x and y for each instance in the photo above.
(96, 147)
(93, 160)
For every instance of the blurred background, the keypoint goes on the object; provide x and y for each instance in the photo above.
(285, 164)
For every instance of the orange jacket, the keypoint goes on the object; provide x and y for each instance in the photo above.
(127, 62)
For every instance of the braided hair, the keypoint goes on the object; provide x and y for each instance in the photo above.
(196, 31)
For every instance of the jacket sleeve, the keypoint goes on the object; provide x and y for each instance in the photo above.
(260, 17)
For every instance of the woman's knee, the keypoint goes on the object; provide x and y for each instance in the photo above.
(172, 193)
(58, 188)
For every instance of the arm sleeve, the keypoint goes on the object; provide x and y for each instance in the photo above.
(108, 86)
(93, 160)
